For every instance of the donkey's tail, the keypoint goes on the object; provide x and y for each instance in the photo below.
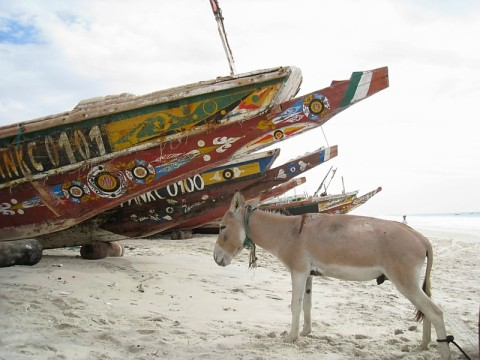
(426, 287)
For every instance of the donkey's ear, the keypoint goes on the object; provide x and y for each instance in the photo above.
(238, 202)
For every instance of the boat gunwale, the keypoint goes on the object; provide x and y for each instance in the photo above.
(102, 105)
(307, 201)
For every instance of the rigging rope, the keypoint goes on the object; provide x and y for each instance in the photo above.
(223, 35)
(325, 136)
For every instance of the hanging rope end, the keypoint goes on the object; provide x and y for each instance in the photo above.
(252, 261)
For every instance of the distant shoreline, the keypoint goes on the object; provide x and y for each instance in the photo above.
(461, 213)
(446, 226)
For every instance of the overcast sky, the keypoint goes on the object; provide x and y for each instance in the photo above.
(418, 139)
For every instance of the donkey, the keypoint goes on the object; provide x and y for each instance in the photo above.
(346, 247)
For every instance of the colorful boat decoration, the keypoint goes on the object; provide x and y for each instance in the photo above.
(169, 207)
(357, 201)
(243, 168)
(101, 128)
(164, 204)
(61, 200)
(275, 182)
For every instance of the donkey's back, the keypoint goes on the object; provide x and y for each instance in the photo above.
(349, 247)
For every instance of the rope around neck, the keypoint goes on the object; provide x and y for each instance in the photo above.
(248, 243)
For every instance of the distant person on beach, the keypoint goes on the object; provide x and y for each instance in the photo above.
(405, 219)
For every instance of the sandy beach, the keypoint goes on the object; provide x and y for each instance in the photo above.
(168, 299)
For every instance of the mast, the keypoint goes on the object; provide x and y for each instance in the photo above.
(321, 184)
(223, 35)
(333, 174)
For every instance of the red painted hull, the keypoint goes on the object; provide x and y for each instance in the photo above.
(274, 183)
(158, 212)
(162, 205)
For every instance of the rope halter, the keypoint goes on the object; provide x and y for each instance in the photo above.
(248, 243)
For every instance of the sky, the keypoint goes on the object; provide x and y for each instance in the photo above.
(418, 139)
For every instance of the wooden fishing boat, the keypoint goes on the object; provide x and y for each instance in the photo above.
(342, 207)
(312, 204)
(213, 226)
(274, 183)
(357, 201)
(240, 169)
(63, 199)
(102, 128)
(161, 205)
(195, 198)
(320, 202)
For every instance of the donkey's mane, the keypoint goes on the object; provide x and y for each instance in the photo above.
(283, 212)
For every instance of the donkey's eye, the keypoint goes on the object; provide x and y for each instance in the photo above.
(222, 227)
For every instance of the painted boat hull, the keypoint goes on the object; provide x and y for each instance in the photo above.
(65, 199)
(358, 201)
(243, 168)
(318, 204)
(161, 205)
(164, 208)
(275, 182)
(99, 129)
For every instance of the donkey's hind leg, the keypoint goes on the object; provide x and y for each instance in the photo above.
(307, 307)
(432, 315)
(427, 333)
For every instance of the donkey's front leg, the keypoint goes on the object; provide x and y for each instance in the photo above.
(307, 308)
(298, 288)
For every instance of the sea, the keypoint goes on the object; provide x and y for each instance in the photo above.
(464, 224)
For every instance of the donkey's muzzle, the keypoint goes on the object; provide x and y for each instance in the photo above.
(219, 260)
(220, 257)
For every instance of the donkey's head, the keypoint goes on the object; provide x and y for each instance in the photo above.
(232, 232)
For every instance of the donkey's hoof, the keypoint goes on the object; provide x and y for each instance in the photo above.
(306, 331)
(291, 338)
(424, 345)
